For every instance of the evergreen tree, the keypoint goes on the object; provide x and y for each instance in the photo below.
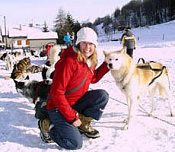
(45, 28)
(59, 25)
(69, 24)
(65, 23)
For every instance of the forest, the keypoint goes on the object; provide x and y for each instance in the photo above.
(136, 13)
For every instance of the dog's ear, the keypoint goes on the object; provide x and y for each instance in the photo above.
(19, 85)
(105, 53)
(124, 50)
(27, 77)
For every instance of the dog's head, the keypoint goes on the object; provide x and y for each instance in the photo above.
(47, 74)
(27, 88)
(117, 59)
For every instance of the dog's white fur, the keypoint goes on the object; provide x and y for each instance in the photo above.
(134, 81)
(54, 54)
(47, 74)
(10, 61)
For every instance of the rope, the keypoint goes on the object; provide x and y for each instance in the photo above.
(155, 117)
(144, 111)
(118, 101)
(157, 76)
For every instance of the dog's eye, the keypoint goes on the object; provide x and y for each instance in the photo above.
(116, 59)
(110, 59)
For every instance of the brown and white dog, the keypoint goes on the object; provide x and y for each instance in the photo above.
(136, 79)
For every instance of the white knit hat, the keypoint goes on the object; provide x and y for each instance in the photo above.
(86, 34)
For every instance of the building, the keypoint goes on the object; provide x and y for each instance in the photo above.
(28, 36)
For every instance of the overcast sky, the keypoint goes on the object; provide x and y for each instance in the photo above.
(37, 11)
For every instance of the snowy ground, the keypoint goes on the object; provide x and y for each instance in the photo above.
(19, 131)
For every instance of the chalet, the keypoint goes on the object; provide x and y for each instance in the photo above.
(29, 36)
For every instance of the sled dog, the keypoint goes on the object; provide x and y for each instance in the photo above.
(34, 69)
(23, 64)
(19, 70)
(10, 61)
(33, 90)
(136, 79)
(54, 54)
(47, 74)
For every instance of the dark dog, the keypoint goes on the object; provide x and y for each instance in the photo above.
(33, 90)
(47, 74)
(37, 93)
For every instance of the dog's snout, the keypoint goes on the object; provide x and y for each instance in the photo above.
(110, 65)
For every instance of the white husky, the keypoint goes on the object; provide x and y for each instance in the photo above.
(54, 54)
(10, 61)
(134, 79)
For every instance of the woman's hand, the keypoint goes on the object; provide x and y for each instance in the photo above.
(77, 123)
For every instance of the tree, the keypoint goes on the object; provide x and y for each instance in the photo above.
(117, 13)
(45, 28)
(59, 25)
(65, 23)
(69, 24)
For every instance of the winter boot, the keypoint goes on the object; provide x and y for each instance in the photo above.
(86, 127)
(44, 130)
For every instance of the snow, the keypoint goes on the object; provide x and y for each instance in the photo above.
(19, 131)
(31, 33)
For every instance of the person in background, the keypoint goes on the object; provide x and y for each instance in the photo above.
(73, 38)
(67, 39)
(48, 47)
(71, 105)
(128, 39)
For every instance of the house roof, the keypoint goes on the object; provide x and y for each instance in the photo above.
(16, 32)
(31, 33)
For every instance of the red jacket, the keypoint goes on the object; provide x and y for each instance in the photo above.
(69, 73)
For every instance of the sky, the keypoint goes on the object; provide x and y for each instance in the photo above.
(19, 130)
(38, 11)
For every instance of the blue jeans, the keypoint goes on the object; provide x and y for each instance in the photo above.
(65, 134)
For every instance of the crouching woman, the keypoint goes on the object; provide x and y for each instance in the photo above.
(71, 106)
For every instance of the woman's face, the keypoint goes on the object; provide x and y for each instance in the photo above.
(87, 48)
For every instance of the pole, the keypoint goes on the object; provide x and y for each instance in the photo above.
(5, 31)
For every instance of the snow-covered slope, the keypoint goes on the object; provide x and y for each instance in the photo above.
(19, 131)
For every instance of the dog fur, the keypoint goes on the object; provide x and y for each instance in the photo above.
(54, 54)
(47, 74)
(10, 61)
(134, 80)
(33, 90)
(19, 70)
(34, 69)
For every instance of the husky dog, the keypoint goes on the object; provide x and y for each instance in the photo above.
(10, 61)
(54, 54)
(33, 90)
(19, 70)
(47, 74)
(3, 56)
(34, 69)
(24, 63)
(27, 88)
(134, 79)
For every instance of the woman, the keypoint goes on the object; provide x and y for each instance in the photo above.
(71, 106)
